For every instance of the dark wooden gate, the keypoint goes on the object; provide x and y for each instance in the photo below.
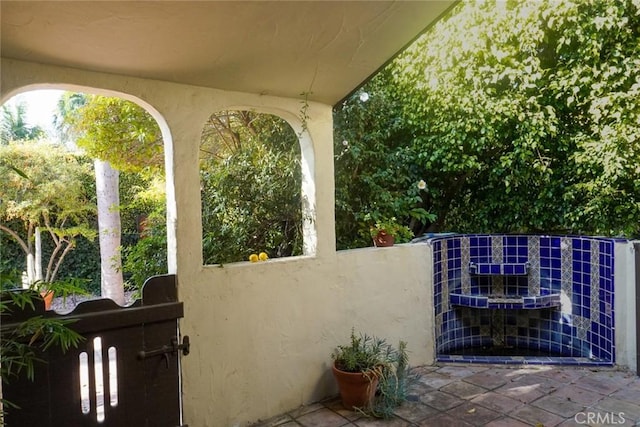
(125, 373)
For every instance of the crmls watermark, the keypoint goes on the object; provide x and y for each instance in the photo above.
(603, 418)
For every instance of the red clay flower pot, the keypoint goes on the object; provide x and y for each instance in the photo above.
(383, 239)
(356, 389)
(47, 296)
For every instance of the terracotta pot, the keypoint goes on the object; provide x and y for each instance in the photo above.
(356, 389)
(383, 239)
(48, 299)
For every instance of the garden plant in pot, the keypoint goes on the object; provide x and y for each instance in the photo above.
(386, 232)
(59, 288)
(371, 374)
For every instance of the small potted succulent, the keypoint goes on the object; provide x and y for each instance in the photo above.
(371, 374)
(386, 232)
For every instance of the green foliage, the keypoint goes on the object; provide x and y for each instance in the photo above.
(68, 105)
(54, 183)
(523, 110)
(375, 358)
(375, 171)
(471, 95)
(117, 131)
(597, 80)
(53, 196)
(364, 353)
(519, 116)
(63, 288)
(21, 345)
(11, 254)
(83, 262)
(13, 126)
(148, 257)
(144, 232)
(393, 384)
(125, 135)
(390, 226)
(251, 185)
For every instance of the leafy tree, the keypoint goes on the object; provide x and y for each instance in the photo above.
(117, 131)
(121, 136)
(483, 131)
(50, 195)
(375, 172)
(13, 126)
(144, 228)
(595, 88)
(511, 102)
(519, 116)
(68, 104)
(251, 184)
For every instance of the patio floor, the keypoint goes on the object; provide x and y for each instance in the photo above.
(495, 396)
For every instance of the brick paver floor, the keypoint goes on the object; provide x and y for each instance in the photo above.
(495, 396)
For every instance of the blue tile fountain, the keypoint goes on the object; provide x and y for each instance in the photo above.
(524, 299)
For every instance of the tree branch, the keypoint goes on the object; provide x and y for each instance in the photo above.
(16, 237)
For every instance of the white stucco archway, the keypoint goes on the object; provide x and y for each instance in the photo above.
(307, 168)
(262, 333)
(162, 124)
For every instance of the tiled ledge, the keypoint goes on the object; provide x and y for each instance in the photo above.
(498, 269)
(515, 302)
(523, 360)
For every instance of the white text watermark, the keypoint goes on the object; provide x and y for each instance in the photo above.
(596, 417)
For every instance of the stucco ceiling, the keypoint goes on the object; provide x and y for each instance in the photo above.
(326, 48)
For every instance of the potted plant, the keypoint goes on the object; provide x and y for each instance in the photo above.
(63, 288)
(385, 232)
(371, 374)
(47, 296)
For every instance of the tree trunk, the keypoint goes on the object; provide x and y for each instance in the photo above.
(31, 271)
(108, 195)
(38, 260)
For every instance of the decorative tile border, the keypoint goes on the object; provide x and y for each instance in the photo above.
(497, 249)
(566, 269)
(595, 281)
(582, 325)
(533, 244)
(497, 285)
(445, 275)
(497, 333)
(466, 260)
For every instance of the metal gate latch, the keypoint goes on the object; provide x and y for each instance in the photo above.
(175, 347)
(185, 346)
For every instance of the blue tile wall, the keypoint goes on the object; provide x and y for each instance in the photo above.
(578, 268)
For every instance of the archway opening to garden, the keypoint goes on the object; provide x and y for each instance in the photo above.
(84, 205)
(251, 188)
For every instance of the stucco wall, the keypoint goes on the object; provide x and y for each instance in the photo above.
(625, 305)
(261, 333)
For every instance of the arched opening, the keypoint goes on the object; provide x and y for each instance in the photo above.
(120, 130)
(254, 197)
